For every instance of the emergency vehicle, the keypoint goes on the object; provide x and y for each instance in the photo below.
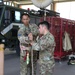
(10, 23)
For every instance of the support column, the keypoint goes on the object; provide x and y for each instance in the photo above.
(1, 59)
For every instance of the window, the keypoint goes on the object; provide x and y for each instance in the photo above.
(7, 17)
(0, 12)
(66, 9)
(0, 1)
(5, 3)
(17, 16)
(8, 3)
(13, 4)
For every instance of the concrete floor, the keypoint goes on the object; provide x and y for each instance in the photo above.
(64, 69)
(12, 66)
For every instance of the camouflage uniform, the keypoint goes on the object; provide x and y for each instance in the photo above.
(22, 36)
(45, 45)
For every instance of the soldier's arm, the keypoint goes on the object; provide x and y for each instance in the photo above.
(40, 46)
(35, 30)
(43, 44)
(20, 33)
(21, 36)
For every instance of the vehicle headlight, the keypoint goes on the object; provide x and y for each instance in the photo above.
(3, 40)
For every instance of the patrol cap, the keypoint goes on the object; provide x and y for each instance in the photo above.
(48, 25)
(26, 14)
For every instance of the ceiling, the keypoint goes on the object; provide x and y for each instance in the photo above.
(22, 2)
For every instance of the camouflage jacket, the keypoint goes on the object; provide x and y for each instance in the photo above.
(45, 45)
(24, 31)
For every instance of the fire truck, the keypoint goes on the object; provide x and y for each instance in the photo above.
(10, 23)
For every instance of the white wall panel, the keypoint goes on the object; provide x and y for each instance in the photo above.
(66, 9)
(62, 0)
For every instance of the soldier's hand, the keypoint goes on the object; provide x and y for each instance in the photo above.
(23, 47)
(30, 37)
(23, 39)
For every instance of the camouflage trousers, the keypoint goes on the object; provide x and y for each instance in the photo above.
(45, 69)
(24, 68)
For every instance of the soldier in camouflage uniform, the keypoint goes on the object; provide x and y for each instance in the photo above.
(45, 45)
(24, 43)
